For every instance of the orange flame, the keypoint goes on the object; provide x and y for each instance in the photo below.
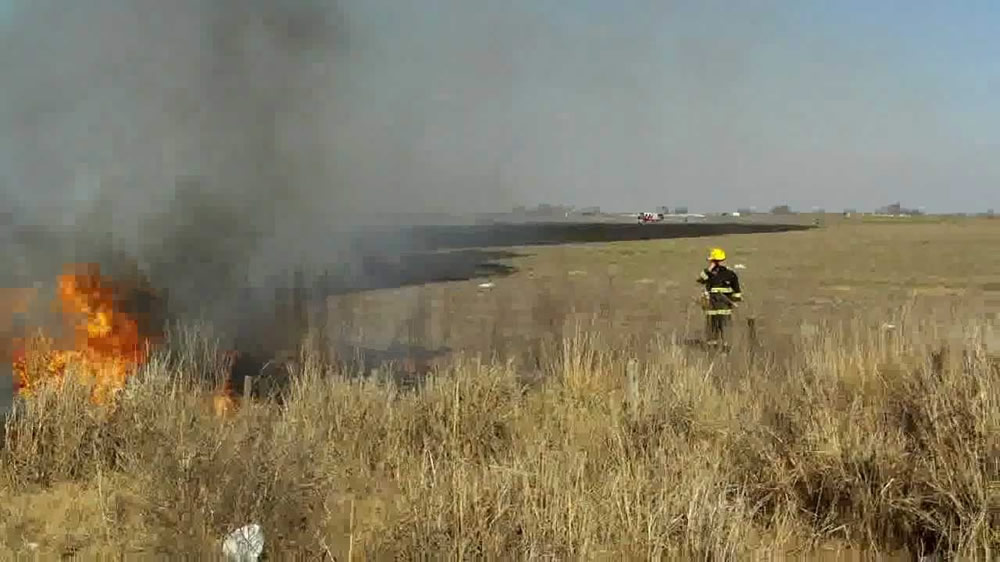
(224, 400)
(108, 346)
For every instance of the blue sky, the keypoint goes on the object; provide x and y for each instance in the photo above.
(635, 104)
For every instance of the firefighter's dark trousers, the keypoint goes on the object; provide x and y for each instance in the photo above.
(716, 324)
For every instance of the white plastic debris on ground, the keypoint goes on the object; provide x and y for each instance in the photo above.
(487, 285)
(739, 266)
(245, 544)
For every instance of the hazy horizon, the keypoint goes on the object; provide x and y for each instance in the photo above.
(456, 106)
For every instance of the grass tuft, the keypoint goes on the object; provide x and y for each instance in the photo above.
(857, 440)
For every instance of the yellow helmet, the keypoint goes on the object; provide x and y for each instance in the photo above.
(716, 254)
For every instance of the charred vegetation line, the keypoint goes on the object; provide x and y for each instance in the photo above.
(298, 306)
(430, 238)
(441, 258)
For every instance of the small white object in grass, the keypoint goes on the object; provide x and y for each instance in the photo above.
(244, 544)
(739, 266)
(888, 326)
(487, 285)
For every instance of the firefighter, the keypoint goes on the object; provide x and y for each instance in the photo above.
(722, 292)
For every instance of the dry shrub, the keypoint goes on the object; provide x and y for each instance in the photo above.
(852, 437)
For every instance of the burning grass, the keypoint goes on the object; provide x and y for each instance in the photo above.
(110, 341)
(106, 345)
(857, 440)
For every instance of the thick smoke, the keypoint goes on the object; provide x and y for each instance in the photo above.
(222, 143)
(189, 136)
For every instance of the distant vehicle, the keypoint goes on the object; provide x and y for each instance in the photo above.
(645, 218)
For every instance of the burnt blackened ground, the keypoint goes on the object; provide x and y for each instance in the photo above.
(398, 257)
(432, 238)
(435, 254)
(268, 319)
(394, 257)
(376, 257)
(371, 272)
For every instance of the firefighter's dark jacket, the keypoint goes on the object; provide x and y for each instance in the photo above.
(723, 288)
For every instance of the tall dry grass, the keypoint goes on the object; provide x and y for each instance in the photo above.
(854, 438)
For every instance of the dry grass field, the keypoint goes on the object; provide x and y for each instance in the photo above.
(569, 419)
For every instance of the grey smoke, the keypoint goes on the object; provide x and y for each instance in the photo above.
(190, 135)
(223, 143)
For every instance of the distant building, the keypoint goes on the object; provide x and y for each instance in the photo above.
(894, 209)
(897, 209)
